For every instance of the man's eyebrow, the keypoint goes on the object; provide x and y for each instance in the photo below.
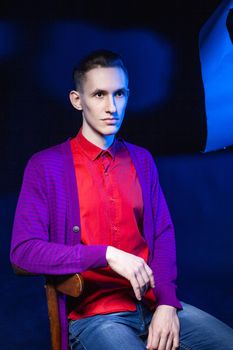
(119, 89)
(122, 89)
(98, 91)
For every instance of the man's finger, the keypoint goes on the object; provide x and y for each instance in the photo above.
(175, 343)
(136, 287)
(150, 275)
(162, 343)
(169, 343)
(149, 339)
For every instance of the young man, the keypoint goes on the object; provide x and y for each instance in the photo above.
(93, 205)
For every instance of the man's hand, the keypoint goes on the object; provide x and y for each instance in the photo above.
(133, 268)
(164, 329)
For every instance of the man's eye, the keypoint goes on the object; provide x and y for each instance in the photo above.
(99, 94)
(121, 93)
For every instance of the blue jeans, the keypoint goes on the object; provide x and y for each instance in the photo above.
(128, 331)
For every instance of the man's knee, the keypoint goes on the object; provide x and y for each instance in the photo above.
(110, 335)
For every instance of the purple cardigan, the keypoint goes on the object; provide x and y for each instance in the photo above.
(43, 239)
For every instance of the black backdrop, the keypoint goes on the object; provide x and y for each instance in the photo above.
(198, 187)
(32, 119)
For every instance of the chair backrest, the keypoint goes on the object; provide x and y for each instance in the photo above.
(71, 285)
(55, 328)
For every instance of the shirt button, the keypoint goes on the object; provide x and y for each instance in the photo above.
(76, 229)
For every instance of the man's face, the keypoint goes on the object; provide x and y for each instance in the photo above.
(103, 101)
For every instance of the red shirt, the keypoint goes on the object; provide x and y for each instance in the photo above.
(111, 211)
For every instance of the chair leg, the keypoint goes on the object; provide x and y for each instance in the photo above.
(55, 329)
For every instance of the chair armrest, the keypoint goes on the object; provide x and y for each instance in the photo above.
(21, 272)
(71, 285)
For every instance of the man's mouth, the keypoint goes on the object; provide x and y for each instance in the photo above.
(110, 121)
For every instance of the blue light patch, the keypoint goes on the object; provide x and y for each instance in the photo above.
(149, 58)
(8, 41)
(216, 55)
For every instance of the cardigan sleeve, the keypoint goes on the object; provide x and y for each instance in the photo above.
(31, 249)
(163, 261)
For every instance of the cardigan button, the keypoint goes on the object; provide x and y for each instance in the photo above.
(76, 229)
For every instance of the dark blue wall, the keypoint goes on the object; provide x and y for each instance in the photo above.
(39, 43)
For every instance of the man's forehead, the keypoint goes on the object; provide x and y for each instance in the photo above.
(108, 73)
(106, 79)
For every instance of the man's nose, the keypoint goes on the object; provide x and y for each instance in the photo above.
(111, 104)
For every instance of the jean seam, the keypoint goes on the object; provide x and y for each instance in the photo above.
(71, 346)
(82, 345)
(183, 346)
(141, 317)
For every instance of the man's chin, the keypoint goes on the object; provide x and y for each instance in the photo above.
(111, 130)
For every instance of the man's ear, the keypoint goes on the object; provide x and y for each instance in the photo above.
(75, 99)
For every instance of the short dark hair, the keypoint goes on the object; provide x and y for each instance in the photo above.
(99, 58)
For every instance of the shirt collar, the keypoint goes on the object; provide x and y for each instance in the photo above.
(92, 151)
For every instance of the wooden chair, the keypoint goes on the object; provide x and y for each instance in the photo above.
(71, 285)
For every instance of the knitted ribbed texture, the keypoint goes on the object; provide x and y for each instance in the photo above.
(43, 240)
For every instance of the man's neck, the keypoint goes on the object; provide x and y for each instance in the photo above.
(103, 142)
